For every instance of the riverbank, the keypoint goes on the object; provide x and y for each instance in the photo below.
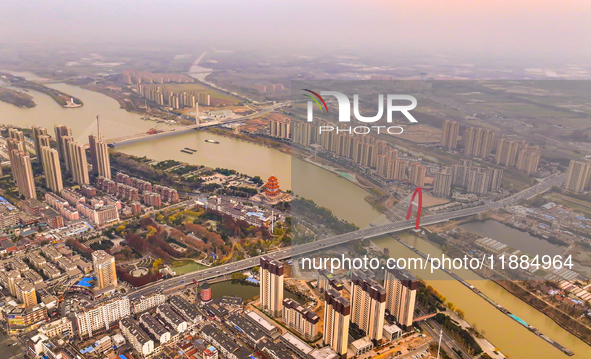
(488, 299)
(279, 146)
(503, 217)
(125, 105)
(562, 319)
(375, 197)
(63, 99)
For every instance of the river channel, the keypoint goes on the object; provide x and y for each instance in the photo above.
(343, 197)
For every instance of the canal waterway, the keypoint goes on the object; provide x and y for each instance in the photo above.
(513, 238)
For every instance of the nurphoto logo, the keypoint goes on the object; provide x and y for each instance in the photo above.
(344, 105)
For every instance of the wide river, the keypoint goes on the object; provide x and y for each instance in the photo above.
(344, 198)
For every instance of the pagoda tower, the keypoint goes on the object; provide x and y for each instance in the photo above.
(272, 187)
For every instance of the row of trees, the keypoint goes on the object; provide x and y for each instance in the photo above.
(80, 248)
(459, 334)
(154, 243)
(321, 215)
(430, 298)
(152, 276)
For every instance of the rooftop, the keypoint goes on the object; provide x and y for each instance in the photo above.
(153, 325)
(261, 321)
(135, 330)
(296, 342)
(324, 353)
(170, 314)
(184, 307)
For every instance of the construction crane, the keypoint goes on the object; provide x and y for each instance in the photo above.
(154, 130)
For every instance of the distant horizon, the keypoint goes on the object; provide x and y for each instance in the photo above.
(526, 30)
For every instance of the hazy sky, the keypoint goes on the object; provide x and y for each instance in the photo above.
(493, 28)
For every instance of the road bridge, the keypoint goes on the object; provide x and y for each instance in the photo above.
(175, 131)
(374, 230)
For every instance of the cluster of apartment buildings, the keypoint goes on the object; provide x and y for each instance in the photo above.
(157, 323)
(370, 302)
(551, 220)
(365, 151)
(478, 142)
(280, 129)
(101, 211)
(135, 189)
(258, 332)
(146, 333)
(153, 323)
(130, 77)
(29, 301)
(478, 180)
(165, 95)
(67, 152)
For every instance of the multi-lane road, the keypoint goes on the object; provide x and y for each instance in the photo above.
(370, 232)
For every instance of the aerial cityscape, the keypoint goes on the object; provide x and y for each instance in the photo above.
(216, 181)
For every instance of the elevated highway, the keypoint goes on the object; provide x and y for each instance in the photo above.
(369, 232)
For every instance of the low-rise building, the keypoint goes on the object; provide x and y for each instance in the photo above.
(361, 346)
(66, 264)
(52, 218)
(50, 271)
(102, 345)
(18, 264)
(33, 277)
(106, 215)
(324, 353)
(51, 253)
(136, 336)
(35, 344)
(85, 267)
(391, 332)
(9, 216)
(246, 328)
(225, 345)
(171, 317)
(263, 324)
(210, 353)
(62, 327)
(36, 260)
(18, 318)
(153, 326)
(270, 350)
(185, 309)
(148, 302)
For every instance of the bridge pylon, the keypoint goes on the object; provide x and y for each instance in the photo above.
(418, 191)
